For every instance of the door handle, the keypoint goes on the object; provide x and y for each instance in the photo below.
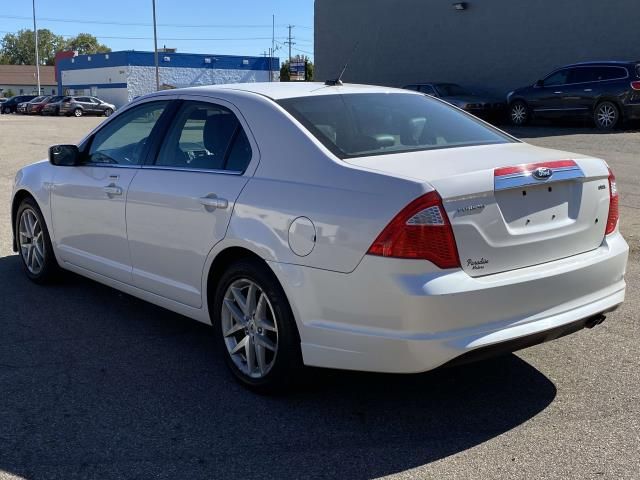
(558, 93)
(212, 202)
(588, 89)
(112, 190)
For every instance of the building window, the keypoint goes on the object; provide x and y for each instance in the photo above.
(21, 91)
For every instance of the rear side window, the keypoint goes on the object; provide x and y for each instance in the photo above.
(610, 73)
(205, 136)
(363, 124)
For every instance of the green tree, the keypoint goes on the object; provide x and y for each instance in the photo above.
(9, 93)
(19, 48)
(85, 43)
(308, 67)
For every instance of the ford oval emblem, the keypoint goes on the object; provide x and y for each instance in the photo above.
(542, 173)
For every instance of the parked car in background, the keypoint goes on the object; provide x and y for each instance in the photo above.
(607, 92)
(402, 235)
(24, 106)
(79, 106)
(53, 107)
(35, 107)
(453, 93)
(11, 105)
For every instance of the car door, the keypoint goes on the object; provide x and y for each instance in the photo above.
(578, 96)
(86, 104)
(97, 105)
(88, 200)
(548, 99)
(179, 206)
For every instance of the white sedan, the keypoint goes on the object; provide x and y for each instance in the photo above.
(338, 226)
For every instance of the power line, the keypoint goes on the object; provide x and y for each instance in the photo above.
(137, 24)
(112, 37)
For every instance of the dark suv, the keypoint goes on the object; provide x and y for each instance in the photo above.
(608, 92)
(11, 105)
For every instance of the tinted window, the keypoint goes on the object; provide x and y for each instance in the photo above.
(428, 89)
(122, 141)
(83, 99)
(362, 124)
(558, 78)
(582, 75)
(205, 136)
(610, 73)
(451, 90)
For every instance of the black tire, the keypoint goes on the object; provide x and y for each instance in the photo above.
(6, 110)
(519, 113)
(108, 112)
(49, 268)
(606, 115)
(287, 361)
(78, 112)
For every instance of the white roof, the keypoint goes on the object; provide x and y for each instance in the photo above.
(280, 90)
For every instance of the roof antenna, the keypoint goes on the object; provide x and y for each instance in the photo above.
(338, 81)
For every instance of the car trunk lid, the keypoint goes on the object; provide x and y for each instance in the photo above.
(511, 205)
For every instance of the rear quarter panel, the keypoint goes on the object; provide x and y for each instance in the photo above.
(298, 177)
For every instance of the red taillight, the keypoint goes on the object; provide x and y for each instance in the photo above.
(420, 231)
(614, 213)
(635, 85)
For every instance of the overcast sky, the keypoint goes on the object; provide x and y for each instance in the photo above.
(192, 26)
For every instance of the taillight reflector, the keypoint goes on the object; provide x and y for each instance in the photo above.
(614, 210)
(420, 231)
(635, 85)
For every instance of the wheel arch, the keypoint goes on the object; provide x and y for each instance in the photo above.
(18, 197)
(225, 257)
(608, 98)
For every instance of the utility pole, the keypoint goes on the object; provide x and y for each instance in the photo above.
(35, 32)
(290, 42)
(273, 46)
(155, 45)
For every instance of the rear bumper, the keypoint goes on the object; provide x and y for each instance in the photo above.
(405, 316)
(632, 111)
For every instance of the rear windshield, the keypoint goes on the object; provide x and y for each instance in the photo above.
(363, 124)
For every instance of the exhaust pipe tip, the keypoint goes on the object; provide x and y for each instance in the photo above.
(595, 320)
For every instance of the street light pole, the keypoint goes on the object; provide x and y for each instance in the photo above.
(155, 48)
(35, 32)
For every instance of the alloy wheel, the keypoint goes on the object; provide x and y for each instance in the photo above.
(606, 115)
(31, 242)
(249, 328)
(518, 114)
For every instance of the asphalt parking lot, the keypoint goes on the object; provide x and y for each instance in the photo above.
(95, 384)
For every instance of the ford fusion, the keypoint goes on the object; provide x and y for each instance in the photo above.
(339, 226)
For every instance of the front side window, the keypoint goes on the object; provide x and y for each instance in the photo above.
(451, 90)
(560, 77)
(122, 141)
(205, 136)
(427, 89)
(363, 124)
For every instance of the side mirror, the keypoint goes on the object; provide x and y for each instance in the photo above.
(64, 155)
(539, 83)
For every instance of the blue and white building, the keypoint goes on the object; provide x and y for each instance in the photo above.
(119, 77)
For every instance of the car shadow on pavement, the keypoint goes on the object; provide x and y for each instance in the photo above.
(98, 384)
